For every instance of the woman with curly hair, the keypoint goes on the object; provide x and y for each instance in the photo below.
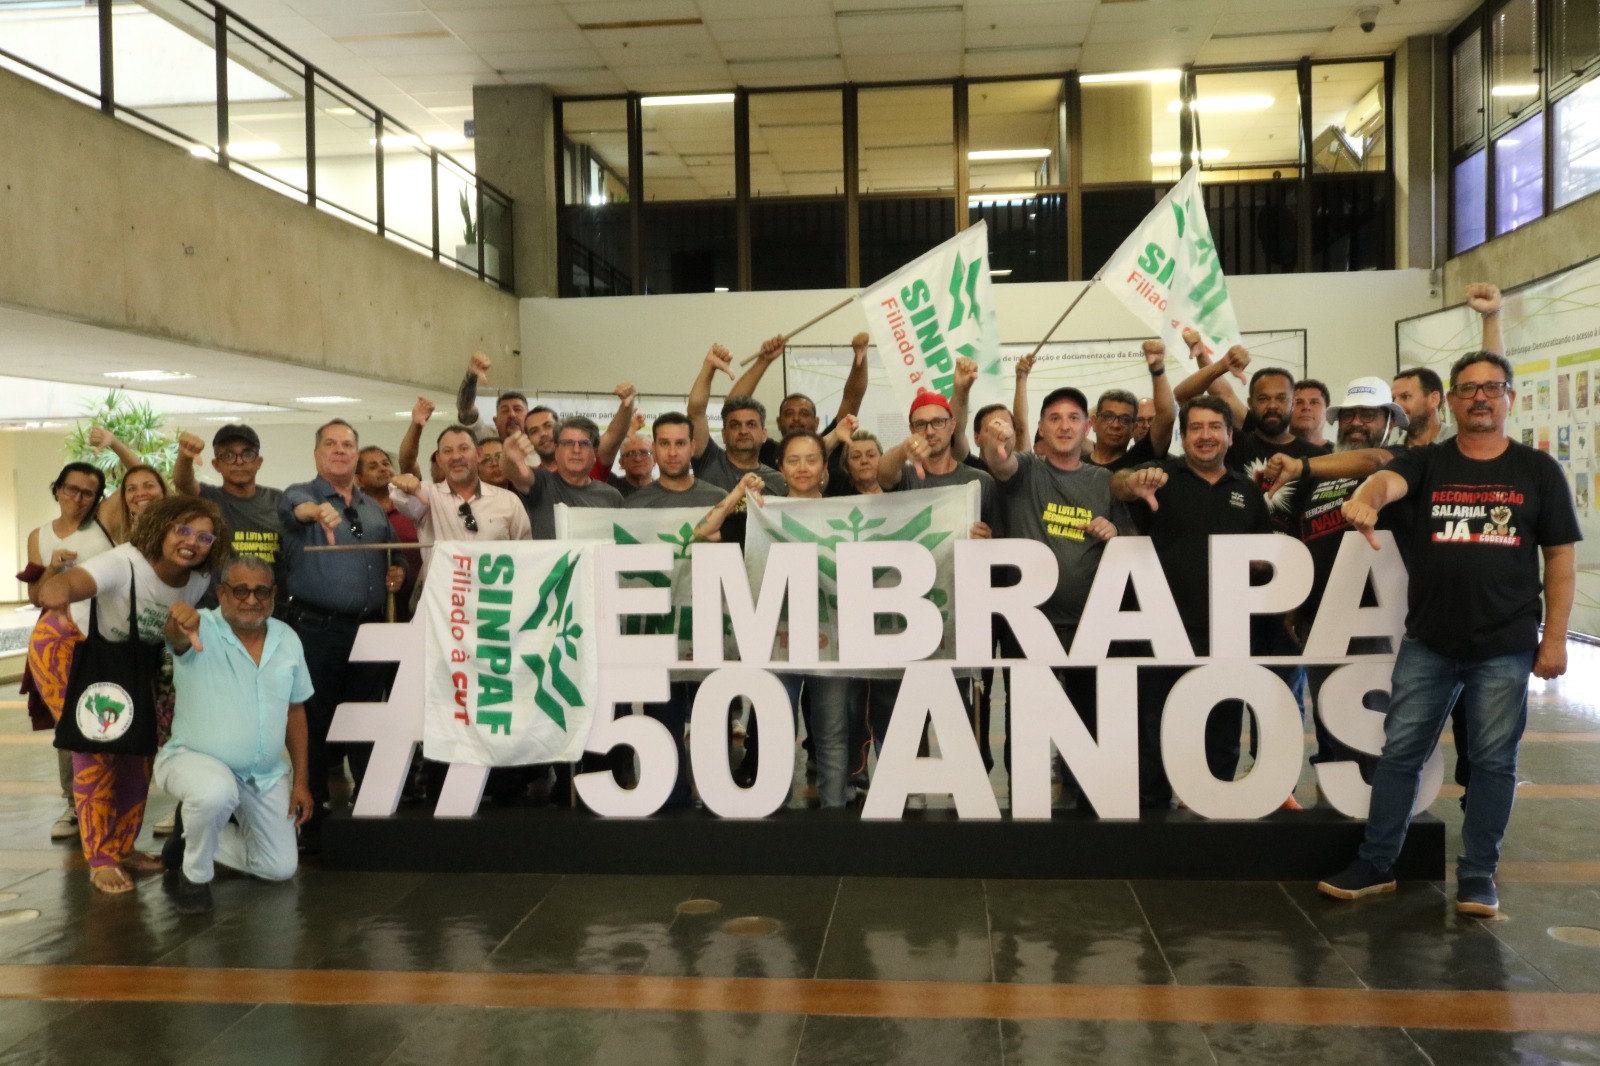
(175, 544)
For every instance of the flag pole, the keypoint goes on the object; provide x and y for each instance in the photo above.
(840, 306)
(1052, 332)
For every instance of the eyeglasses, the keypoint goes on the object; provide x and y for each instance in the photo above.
(1492, 389)
(636, 455)
(1116, 420)
(74, 492)
(583, 443)
(250, 592)
(354, 518)
(922, 425)
(465, 511)
(205, 539)
(244, 458)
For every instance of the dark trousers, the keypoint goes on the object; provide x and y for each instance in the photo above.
(337, 679)
(1223, 728)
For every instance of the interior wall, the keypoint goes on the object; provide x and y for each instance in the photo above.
(1549, 245)
(658, 342)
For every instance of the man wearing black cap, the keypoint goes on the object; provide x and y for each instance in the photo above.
(251, 509)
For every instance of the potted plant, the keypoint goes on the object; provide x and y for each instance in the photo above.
(471, 234)
(137, 425)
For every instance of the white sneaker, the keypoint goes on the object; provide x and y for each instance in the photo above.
(65, 827)
(166, 825)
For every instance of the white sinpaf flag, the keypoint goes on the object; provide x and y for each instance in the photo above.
(512, 671)
(645, 525)
(1169, 275)
(934, 518)
(934, 310)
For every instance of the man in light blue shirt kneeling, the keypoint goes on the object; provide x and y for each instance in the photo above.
(242, 683)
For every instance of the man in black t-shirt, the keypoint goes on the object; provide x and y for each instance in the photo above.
(1116, 413)
(1194, 496)
(1486, 511)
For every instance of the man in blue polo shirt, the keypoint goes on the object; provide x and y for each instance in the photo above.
(242, 683)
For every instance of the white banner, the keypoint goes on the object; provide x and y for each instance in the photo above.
(645, 525)
(1168, 273)
(933, 518)
(512, 662)
(934, 310)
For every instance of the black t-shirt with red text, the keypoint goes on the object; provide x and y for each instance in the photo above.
(1476, 530)
(1319, 523)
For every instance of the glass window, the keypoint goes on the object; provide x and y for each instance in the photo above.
(593, 225)
(1466, 91)
(1348, 124)
(1130, 127)
(1468, 228)
(1577, 147)
(408, 191)
(266, 113)
(1249, 120)
(797, 244)
(907, 140)
(1027, 236)
(688, 147)
(896, 231)
(1016, 133)
(797, 144)
(690, 247)
(1513, 60)
(1519, 175)
(347, 157)
(166, 70)
(63, 41)
(1575, 36)
(1109, 215)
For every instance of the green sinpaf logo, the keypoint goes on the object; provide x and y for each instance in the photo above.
(1210, 289)
(857, 528)
(554, 612)
(681, 619)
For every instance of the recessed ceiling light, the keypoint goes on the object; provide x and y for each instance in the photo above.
(694, 98)
(326, 399)
(1514, 90)
(147, 375)
(341, 110)
(1154, 77)
(1006, 273)
(1223, 103)
(1010, 153)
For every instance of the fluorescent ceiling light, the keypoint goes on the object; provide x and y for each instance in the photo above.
(694, 98)
(147, 375)
(1006, 273)
(1208, 155)
(341, 110)
(720, 288)
(1010, 153)
(1223, 103)
(926, 9)
(1514, 90)
(597, 199)
(326, 399)
(1154, 77)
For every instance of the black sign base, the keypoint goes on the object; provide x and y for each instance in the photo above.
(1168, 845)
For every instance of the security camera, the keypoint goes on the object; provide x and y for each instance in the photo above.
(1368, 16)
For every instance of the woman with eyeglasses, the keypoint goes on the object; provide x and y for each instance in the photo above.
(175, 543)
(73, 536)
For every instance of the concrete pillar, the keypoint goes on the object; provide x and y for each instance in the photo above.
(1421, 156)
(515, 147)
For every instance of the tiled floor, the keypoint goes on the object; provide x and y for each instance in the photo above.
(352, 968)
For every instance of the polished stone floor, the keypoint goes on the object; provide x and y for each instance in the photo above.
(357, 968)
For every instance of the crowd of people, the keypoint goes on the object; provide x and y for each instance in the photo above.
(257, 628)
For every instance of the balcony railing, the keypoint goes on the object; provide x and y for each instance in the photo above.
(194, 73)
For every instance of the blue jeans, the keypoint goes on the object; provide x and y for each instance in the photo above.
(829, 694)
(1494, 701)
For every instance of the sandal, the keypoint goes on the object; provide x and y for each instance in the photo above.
(139, 863)
(111, 880)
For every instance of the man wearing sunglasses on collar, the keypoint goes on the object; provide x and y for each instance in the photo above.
(331, 593)
(461, 507)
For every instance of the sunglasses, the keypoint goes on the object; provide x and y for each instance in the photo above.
(250, 592)
(471, 520)
(354, 518)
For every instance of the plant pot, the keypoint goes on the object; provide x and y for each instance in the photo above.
(467, 256)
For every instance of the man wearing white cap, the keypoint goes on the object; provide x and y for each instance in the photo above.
(1365, 416)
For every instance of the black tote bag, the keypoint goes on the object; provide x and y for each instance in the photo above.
(110, 703)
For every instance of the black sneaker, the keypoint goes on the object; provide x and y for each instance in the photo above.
(1360, 878)
(192, 898)
(1476, 898)
(172, 849)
